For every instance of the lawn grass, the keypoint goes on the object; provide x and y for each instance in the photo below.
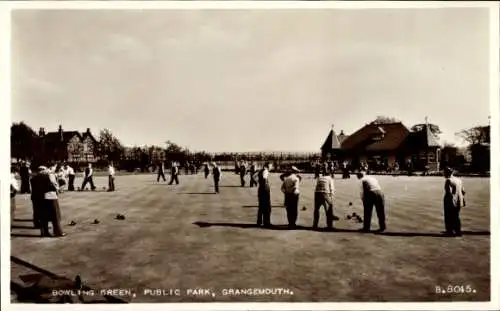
(184, 236)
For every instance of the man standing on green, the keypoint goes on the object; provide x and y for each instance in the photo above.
(372, 195)
(264, 197)
(174, 172)
(454, 200)
(323, 196)
(291, 189)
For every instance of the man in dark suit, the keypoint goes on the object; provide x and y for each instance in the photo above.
(207, 170)
(243, 172)
(174, 174)
(37, 195)
(48, 210)
(264, 197)
(253, 171)
(161, 171)
(216, 172)
(24, 172)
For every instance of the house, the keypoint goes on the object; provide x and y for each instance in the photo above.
(68, 146)
(382, 145)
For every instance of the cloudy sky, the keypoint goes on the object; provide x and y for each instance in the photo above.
(245, 80)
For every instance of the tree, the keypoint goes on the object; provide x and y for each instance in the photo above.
(24, 142)
(476, 135)
(478, 138)
(385, 120)
(175, 152)
(433, 127)
(109, 146)
(173, 148)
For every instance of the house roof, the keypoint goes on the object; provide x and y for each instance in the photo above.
(422, 139)
(342, 137)
(391, 136)
(331, 142)
(55, 137)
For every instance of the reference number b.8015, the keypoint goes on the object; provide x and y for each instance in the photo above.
(455, 289)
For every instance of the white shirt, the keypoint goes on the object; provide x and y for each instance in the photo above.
(52, 195)
(111, 171)
(13, 182)
(265, 173)
(70, 171)
(454, 192)
(325, 185)
(291, 184)
(369, 184)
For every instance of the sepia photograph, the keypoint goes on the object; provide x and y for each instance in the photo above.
(250, 155)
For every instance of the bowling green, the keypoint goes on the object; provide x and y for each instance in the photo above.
(186, 237)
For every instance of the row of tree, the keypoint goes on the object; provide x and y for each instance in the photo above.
(27, 144)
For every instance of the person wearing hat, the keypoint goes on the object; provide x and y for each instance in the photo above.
(264, 197)
(454, 200)
(323, 196)
(216, 172)
(291, 189)
(174, 174)
(372, 195)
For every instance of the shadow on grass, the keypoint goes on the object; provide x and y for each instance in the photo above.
(40, 285)
(202, 224)
(431, 234)
(22, 235)
(24, 227)
(23, 220)
(256, 206)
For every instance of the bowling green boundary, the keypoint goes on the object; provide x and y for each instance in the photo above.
(184, 236)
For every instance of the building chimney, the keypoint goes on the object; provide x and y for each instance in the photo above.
(41, 132)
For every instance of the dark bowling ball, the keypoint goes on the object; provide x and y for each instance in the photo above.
(350, 203)
(304, 208)
(348, 217)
